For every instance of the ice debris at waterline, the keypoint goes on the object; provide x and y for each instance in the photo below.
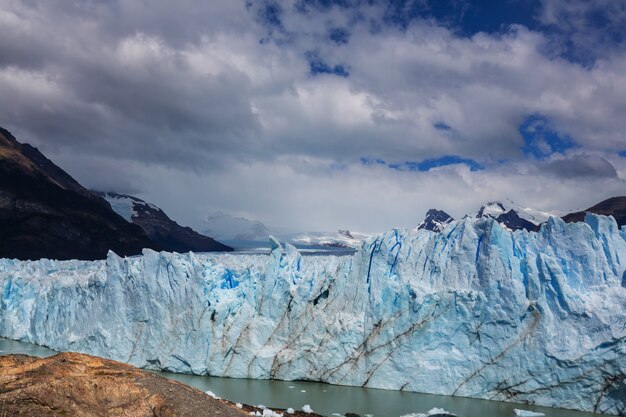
(476, 310)
(526, 413)
(434, 412)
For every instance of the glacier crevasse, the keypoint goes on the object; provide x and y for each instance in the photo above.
(476, 310)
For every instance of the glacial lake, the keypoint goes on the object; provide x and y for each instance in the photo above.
(329, 399)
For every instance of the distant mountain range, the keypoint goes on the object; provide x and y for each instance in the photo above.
(509, 214)
(45, 213)
(238, 230)
(515, 217)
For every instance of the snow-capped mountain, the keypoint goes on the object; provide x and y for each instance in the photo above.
(517, 217)
(435, 220)
(532, 215)
(510, 217)
(506, 216)
(168, 234)
(512, 220)
(479, 310)
(492, 209)
(223, 226)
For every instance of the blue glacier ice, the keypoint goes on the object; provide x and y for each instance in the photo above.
(476, 310)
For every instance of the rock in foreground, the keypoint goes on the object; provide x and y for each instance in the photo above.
(73, 384)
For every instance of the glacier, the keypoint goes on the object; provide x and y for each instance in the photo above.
(475, 310)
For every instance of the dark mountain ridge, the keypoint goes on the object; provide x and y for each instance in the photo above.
(45, 213)
(435, 220)
(163, 230)
(614, 206)
(513, 221)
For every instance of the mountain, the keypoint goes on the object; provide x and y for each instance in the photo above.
(45, 213)
(435, 220)
(512, 218)
(506, 216)
(532, 215)
(615, 206)
(516, 217)
(481, 310)
(223, 226)
(159, 227)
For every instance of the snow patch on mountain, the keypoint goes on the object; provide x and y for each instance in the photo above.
(126, 205)
(532, 215)
(492, 209)
(511, 216)
(495, 209)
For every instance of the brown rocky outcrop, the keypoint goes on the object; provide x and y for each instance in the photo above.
(73, 384)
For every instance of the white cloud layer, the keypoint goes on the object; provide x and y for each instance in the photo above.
(197, 107)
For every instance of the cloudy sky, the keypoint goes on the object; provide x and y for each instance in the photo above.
(318, 115)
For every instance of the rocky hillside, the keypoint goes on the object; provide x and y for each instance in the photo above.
(615, 206)
(159, 227)
(73, 384)
(45, 213)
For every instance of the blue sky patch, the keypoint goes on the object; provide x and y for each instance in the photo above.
(622, 154)
(372, 161)
(466, 18)
(428, 164)
(270, 14)
(318, 66)
(442, 126)
(541, 140)
(604, 30)
(339, 36)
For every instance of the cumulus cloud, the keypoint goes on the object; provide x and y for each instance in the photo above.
(308, 194)
(267, 109)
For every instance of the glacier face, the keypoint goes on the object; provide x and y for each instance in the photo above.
(476, 310)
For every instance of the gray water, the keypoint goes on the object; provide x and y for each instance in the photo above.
(329, 399)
